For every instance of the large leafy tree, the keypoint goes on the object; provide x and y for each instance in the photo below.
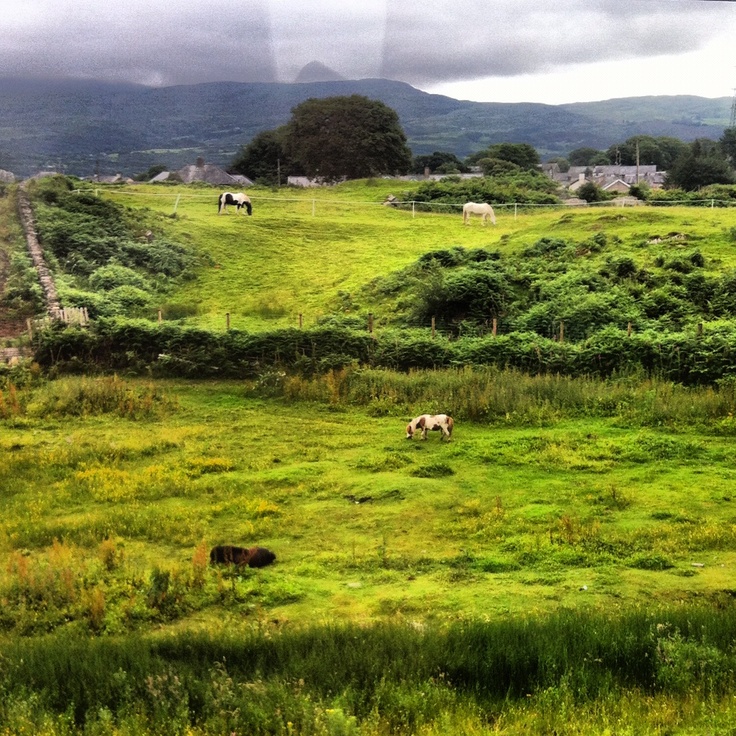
(353, 137)
(439, 161)
(587, 156)
(524, 155)
(264, 159)
(700, 165)
(662, 151)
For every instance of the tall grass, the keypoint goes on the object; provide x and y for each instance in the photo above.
(509, 396)
(81, 396)
(377, 679)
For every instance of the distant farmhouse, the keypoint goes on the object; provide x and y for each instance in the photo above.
(617, 178)
(206, 173)
(112, 179)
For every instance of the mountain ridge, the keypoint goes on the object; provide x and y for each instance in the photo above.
(82, 126)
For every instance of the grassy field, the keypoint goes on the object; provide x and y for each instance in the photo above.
(567, 567)
(586, 512)
(312, 252)
(580, 537)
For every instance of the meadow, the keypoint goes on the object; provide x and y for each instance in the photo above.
(315, 252)
(563, 565)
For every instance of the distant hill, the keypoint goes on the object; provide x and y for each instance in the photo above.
(87, 126)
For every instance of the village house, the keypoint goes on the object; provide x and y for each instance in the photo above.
(613, 178)
(206, 173)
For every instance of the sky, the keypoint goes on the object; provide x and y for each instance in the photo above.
(551, 51)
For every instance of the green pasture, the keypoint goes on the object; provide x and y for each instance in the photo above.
(366, 525)
(313, 252)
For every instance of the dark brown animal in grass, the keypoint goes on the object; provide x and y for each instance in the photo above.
(228, 554)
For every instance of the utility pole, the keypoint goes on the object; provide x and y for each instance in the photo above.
(637, 160)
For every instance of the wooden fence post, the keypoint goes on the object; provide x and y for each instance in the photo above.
(160, 316)
(562, 331)
(433, 324)
(495, 326)
(628, 330)
(300, 320)
(700, 329)
(227, 320)
(370, 322)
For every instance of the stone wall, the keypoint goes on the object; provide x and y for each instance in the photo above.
(25, 212)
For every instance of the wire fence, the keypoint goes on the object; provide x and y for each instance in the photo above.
(420, 206)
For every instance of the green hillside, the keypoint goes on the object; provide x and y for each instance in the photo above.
(317, 252)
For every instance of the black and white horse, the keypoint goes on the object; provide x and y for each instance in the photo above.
(240, 200)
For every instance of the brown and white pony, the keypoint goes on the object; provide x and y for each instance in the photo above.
(430, 422)
(240, 200)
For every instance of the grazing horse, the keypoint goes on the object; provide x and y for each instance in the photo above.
(430, 422)
(227, 554)
(240, 200)
(484, 210)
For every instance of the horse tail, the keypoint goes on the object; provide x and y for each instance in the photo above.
(248, 207)
(450, 425)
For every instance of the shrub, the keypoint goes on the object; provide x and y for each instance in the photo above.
(106, 278)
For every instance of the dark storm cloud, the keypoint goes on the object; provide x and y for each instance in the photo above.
(466, 39)
(162, 43)
(145, 42)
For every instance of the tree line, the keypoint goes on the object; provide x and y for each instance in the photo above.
(352, 137)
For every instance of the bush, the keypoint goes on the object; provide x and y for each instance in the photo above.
(109, 277)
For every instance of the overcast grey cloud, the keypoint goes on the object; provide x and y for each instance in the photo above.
(467, 39)
(428, 44)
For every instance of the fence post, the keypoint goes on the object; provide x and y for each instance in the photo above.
(176, 204)
(700, 329)
(29, 324)
(562, 331)
(227, 320)
(495, 326)
(628, 330)
(300, 320)
(433, 324)
(160, 316)
(515, 208)
(370, 322)
(413, 213)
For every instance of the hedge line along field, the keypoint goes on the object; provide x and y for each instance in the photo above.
(312, 252)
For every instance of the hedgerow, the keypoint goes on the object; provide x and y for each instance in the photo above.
(522, 187)
(141, 347)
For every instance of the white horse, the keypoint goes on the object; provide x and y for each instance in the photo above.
(484, 210)
(430, 422)
(240, 200)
